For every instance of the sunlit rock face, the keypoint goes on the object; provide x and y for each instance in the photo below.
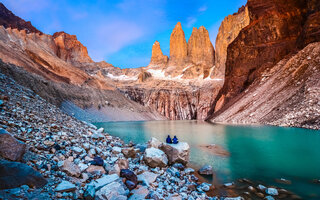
(70, 49)
(228, 31)
(200, 48)
(178, 46)
(277, 29)
(157, 57)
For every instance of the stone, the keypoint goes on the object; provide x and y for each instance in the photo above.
(206, 170)
(147, 178)
(111, 191)
(131, 178)
(272, 191)
(178, 166)
(189, 171)
(90, 192)
(175, 197)
(129, 152)
(269, 198)
(104, 180)
(71, 168)
(100, 130)
(78, 150)
(82, 166)
(123, 163)
(65, 186)
(116, 150)
(15, 174)
(234, 198)
(97, 161)
(10, 147)
(140, 193)
(92, 169)
(155, 158)
(154, 142)
(176, 153)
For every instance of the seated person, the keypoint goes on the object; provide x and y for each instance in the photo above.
(168, 140)
(175, 140)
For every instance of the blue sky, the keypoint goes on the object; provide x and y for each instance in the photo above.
(122, 32)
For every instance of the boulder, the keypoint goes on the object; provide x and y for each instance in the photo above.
(123, 163)
(206, 170)
(154, 142)
(139, 193)
(114, 190)
(129, 152)
(155, 158)
(92, 169)
(10, 147)
(71, 169)
(105, 180)
(97, 161)
(15, 174)
(176, 153)
(147, 177)
(272, 191)
(131, 179)
(65, 186)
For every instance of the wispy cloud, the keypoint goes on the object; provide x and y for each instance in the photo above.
(203, 8)
(191, 21)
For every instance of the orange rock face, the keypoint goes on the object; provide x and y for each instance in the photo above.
(200, 48)
(228, 31)
(178, 46)
(157, 57)
(70, 49)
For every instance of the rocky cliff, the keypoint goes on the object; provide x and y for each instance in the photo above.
(228, 31)
(9, 20)
(157, 57)
(70, 49)
(178, 47)
(200, 48)
(274, 31)
(286, 94)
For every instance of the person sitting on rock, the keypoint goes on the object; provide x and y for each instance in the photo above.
(175, 140)
(168, 140)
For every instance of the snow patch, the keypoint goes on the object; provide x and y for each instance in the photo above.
(122, 77)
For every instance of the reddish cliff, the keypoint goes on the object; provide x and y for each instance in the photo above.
(274, 31)
(157, 57)
(178, 46)
(70, 49)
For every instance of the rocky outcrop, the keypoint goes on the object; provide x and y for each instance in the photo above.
(9, 20)
(178, 47)
(143, 76)
(273, 33)
(200, 48)
(70, 49)
(228, 31)
(11, 148)
(155, 158)
(157, 57)
(15, 174)
(176, 153)
(286, 94)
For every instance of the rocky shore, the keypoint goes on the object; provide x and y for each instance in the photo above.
(46, 154)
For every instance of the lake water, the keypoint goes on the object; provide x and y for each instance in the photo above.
(258, 153)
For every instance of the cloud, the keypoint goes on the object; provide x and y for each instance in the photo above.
(25, 7)
(191, 21)
(202, 8)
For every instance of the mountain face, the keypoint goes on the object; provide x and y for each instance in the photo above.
(178, 46)
(228, 31)
(9, 20)
(275, 30)
(157, 57)
(70, 49)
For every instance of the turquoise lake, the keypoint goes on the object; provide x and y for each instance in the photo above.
(259, 153)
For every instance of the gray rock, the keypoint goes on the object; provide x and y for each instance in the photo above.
(147, 177)
(90, 192)
(111, 191)
(176, 153)
(272, 191)
(269, 198)
(206, 170)
(139, 193)
(15, 174)
(65, 186)
(154, 142)
(10, 147)
(155, 158)
(106, 179)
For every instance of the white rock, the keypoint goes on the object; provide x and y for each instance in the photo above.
(155, 157)
(147, 177)
(78, 150)
(176, 153)
(140, 193)
(100, 130)
(116, 150)
(106, 179)
(82, 166)
(154, 142)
